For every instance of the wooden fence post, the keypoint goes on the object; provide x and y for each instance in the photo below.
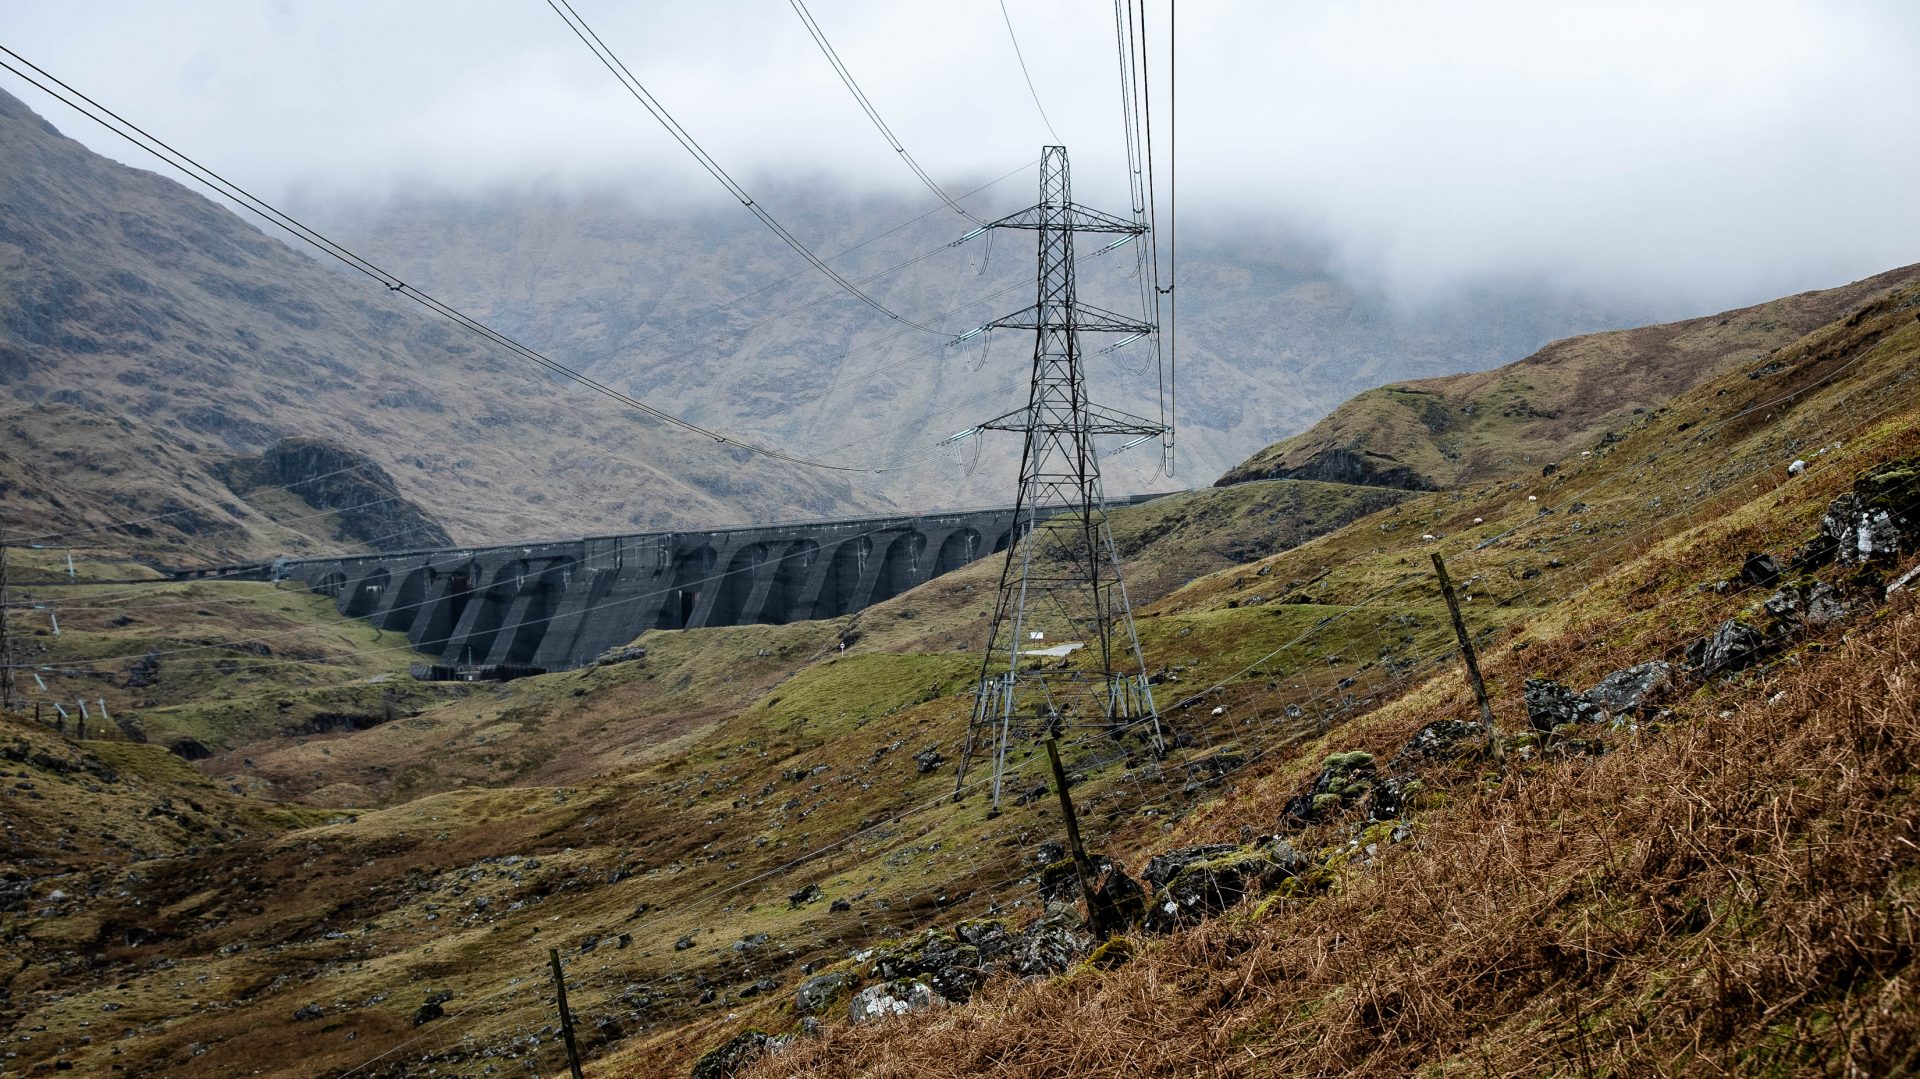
(1473, 661)
(566, 1017)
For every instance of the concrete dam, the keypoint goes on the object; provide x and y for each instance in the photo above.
(560, 604)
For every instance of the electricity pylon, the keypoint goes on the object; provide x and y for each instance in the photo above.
(1061, 647)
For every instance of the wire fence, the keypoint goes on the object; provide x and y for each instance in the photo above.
(1272, 721)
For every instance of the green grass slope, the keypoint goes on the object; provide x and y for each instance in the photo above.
(672, 866)
(1443, 432)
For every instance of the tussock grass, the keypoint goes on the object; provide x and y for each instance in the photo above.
(1734, 895)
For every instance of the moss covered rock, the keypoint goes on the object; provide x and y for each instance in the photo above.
(735, 1054)
(1200, 882)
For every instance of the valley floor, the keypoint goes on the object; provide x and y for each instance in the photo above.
(364, 876)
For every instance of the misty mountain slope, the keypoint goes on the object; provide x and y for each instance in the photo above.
(1441, 432)
(124, 294)
(701, 307)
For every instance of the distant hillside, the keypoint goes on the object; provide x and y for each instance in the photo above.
(1440, 432)
(689, 305)
(147, 335)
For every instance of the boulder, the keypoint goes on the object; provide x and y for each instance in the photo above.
(1442, 740)
(1795, 609)
(948, 964)
(1733, 646)
(1634, 690)
(1202, 888)
(1345, 779)
(1550, 705)
(1823, 605)
(1050, 945)
(928, 759)
(1760, 571)
(889, 999)
(810, 894)
(736, 1053)
(1119, 903)
(1854, 532)
(820, 992)
(1162, 868)
(625, 654)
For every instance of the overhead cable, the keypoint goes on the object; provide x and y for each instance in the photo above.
(873, 114)
(117, 124)
(1024, 73)
(640, 93)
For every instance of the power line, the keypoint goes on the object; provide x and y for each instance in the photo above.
(1017, 55)
(640, 93)
(860, 97)
(717, 308)
(119, 125)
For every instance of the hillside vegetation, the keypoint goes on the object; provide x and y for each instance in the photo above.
(749, 829)
(1435, 433)
(149, 336)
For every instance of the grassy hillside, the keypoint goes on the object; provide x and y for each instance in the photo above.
(166, 335)
(699, 306)
(1435, 433)
(664, 821)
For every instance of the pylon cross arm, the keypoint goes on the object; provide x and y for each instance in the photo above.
(1085, 318)
(1075, 218)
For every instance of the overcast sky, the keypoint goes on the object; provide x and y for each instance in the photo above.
(1721, 150)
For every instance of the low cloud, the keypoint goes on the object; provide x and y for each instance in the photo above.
(1706, 153)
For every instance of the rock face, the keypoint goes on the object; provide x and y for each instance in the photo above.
(818, 993)
(1550, 704)
(889, 999)
(1443, 740)
(1733, 646)
(328, 476)
(739, 1051)
(1634, 690)
(1199, 882)
(1337, 464)
(1345, 779)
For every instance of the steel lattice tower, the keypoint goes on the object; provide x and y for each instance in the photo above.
(1061, 646)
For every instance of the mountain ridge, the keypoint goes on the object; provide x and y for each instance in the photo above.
(1436, 433)
(127, 295)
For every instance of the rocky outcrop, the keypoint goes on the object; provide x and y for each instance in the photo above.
(1732, 646)
(1875, 522)
(736, 1054)
(1443, 740)
(1634, 690)
(1196, 883)
(1345, 780)
(820, 992)
(1336, 464)
(327, 476)
(889, 999)
(1797, 609)
(1550, 704)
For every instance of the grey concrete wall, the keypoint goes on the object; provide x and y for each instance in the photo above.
(563, 603)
